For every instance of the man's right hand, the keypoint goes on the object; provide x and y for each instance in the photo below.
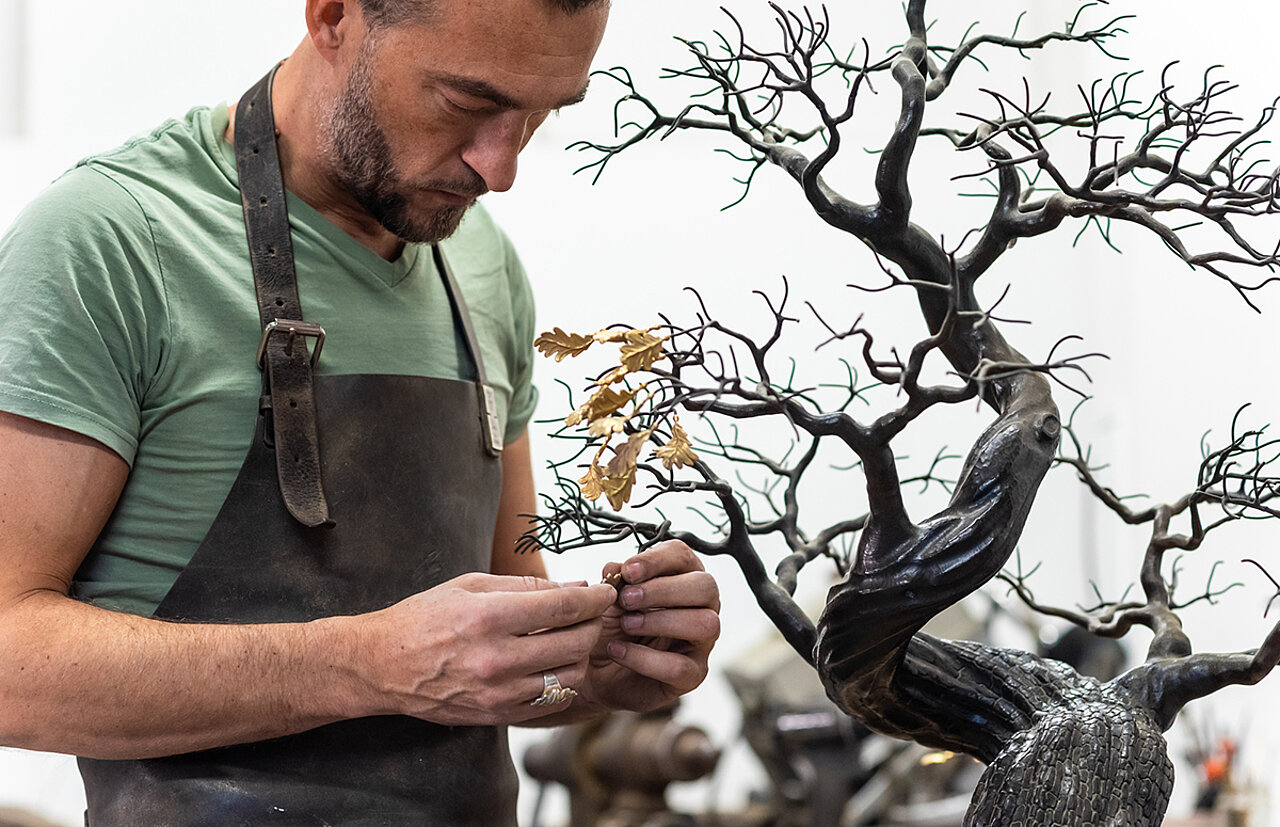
(473, 650)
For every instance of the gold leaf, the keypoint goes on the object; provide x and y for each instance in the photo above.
(641, 350)
(618, 489)
(606, 425)
(678, 452)
(626, 455)
(606, 402)
(579, 414)
(606, 336)
(620, 474)
(615, 375)
(592, 483)
(559, 344)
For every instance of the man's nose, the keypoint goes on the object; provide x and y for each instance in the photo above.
(495, 148)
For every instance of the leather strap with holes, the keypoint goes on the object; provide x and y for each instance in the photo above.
(288, 399)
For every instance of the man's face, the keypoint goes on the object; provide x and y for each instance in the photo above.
(433, 115)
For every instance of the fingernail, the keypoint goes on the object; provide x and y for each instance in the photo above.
(632, 595)
(631, 622)
(633, 572)
(617, 650)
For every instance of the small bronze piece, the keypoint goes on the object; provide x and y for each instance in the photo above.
(614, 579)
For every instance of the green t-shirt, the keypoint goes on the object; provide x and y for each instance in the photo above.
(129, 316)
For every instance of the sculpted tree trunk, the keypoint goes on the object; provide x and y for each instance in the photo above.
(1060, 748)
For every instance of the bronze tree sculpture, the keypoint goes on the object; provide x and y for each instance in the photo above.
(1061, 748)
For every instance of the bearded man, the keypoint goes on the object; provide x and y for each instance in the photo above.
(254, 580)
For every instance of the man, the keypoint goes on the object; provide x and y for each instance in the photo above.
(232, 638)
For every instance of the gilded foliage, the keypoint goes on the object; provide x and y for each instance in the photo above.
(617, 416)
(592, 483)
(678, 452)
(641, 350)
(602, 404)
(559, 344)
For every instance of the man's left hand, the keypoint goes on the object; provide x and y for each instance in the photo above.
(658, 634)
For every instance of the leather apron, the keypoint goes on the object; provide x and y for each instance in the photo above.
(408, 499)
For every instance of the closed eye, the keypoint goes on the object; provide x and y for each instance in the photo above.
(473, 95)
(470, 107)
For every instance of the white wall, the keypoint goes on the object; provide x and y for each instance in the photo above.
(1186, 352)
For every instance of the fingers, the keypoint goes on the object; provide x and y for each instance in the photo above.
(556, 649)
(675, 669)
(669, 557)
(552, 690)
(495, 680)
(684, 636)
(695, 626)
(558, 608)
(523, 605)
(517, 700)
(480, 582)
(667, 575)
(566, 623)
(670, 617)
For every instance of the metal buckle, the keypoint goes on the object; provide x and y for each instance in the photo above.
(292, 327)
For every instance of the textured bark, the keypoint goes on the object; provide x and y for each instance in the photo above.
(1062, 749)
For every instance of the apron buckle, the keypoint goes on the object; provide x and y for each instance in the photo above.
(293, 328)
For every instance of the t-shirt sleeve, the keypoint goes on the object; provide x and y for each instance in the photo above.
(524, 394)
(83, 310)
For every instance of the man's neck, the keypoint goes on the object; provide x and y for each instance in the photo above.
(303, 161)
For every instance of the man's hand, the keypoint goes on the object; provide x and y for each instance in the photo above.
(658, 635)
(474, 649)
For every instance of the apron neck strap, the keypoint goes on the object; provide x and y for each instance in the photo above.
(288, 398)
(489, 425)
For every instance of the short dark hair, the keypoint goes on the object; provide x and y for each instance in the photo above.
(381, 13)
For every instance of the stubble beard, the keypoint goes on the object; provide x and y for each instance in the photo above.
(361, 164)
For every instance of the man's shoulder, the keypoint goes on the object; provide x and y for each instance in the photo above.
(112, 215)
(189, 135)
(177, 160)
(83, 208)
(122, 195)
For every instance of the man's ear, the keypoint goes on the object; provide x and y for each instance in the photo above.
(329, 24)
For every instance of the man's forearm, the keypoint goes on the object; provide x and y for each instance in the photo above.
(102, 684)
(471, 651)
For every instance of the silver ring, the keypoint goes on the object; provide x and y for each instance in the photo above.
(552, 692)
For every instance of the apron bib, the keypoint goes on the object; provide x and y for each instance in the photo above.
(409, 500)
